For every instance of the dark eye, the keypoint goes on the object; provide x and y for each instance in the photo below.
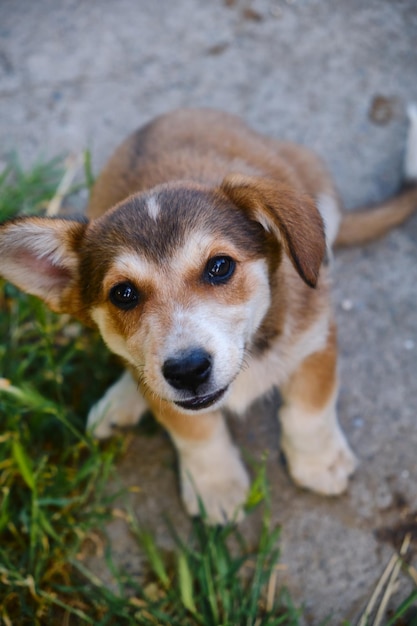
(124, 296)
(219, 269)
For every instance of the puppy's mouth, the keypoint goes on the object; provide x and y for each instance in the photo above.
(201, 402)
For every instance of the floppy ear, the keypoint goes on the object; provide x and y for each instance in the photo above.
(39, 255)
(292, 218)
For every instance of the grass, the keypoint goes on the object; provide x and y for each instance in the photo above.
(54, 493)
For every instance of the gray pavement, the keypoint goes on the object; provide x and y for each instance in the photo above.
(336, 76)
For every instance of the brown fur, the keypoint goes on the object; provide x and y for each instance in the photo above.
(365, 225)
(180, 424)
(314, 383)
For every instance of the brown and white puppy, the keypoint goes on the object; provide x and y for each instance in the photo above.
(205, 267)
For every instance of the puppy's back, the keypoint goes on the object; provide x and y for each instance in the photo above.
(200, 145)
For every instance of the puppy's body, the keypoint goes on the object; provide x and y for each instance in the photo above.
(204, 266)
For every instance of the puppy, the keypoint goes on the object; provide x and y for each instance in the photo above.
(205, 266)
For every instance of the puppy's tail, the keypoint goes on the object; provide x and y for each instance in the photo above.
(359, 227)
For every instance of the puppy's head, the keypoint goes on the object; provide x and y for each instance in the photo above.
(177, 279)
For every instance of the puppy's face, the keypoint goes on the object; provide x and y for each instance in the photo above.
(178, 279)
(182, 285)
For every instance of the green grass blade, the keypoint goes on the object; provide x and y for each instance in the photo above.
(24, 464)
(404, 606)
(185, 582)
(155, 559)
(88, 170)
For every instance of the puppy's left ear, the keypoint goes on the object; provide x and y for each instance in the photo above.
(39, 255)
(292, 218)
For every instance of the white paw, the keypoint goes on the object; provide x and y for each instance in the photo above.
(212, 471)
(104, 417)
(326, 472)
(122, 405)
(222, 496)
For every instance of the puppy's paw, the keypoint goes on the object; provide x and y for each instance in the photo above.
(327, 472)
(211, 471)
(122, 405)
(222, 495)
(104, 417)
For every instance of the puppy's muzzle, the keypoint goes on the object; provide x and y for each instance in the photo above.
(188, 371)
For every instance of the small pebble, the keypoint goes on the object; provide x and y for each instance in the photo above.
(347, 305)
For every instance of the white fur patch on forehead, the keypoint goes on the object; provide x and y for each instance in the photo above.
(152, 207)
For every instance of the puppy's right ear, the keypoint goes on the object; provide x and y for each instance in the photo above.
(39, 255)
(293, 219)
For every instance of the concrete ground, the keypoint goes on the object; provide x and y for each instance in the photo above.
(335, 76)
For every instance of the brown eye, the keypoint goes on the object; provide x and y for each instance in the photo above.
(124, 295)
(219, 269)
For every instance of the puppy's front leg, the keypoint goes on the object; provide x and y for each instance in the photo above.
(317, 453)
(121, 405)
(209, 463)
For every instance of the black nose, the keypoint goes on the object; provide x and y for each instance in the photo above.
(189, 370)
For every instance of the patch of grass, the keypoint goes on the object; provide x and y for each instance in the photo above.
(52, 477)
(26, 192)
(215, 584)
